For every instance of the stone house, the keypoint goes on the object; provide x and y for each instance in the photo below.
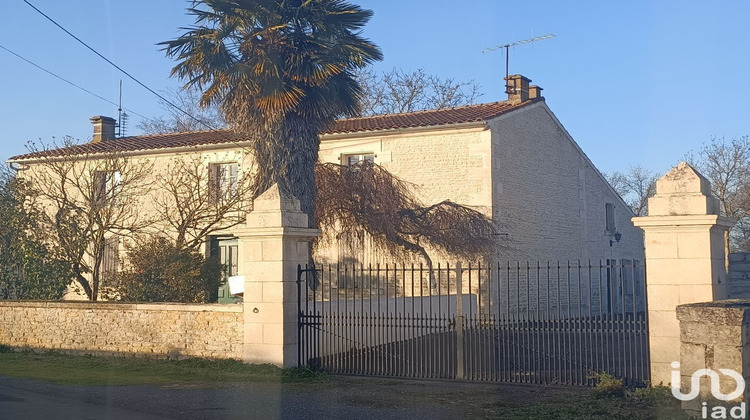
(512, 160)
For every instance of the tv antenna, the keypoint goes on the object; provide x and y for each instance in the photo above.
(508, 87)
(122, 117)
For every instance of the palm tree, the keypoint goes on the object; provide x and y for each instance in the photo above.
(281, 71)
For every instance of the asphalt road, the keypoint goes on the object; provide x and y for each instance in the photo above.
(347, 398)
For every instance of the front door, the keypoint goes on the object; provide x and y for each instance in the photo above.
(228, 255)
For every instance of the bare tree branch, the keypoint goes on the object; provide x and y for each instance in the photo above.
(191, 202)
(726, 164)
(189, 100)
(635, 187)
(398, 91)
(84, 200)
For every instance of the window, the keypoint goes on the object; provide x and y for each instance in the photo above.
(106, 185)
(609, 210)
(351, 160)
(224, 181)
(110, 260)
(228, 257)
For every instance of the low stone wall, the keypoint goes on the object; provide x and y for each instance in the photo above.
(139, 329)
(714, 336)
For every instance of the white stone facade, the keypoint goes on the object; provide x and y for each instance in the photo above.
(522, 168)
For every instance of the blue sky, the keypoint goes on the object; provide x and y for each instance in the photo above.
(634, 82)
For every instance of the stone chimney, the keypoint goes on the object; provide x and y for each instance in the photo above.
(535, 92)
(518, 89)
(104, 128)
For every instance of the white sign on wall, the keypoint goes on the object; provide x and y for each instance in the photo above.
(236, 284)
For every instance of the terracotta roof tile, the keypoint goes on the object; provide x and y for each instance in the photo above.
(431, 118)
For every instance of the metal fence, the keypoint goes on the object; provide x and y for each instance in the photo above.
(541, 322)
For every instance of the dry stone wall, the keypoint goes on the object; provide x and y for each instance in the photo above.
(149, 330)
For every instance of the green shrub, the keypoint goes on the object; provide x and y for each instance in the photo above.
(650, 392)
(158, 271)
(607, 384)
(29, 267)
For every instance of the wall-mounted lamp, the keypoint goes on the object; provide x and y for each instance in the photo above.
(618, 236)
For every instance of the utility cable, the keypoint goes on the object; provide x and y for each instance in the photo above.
(120, 69)
(68, 81)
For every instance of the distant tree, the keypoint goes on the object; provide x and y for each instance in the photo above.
(84, 201)
(160, 271)
(367, 198)
(635, 187)
(399, 91)
(726, 164)
(29, 268)
(188, 99)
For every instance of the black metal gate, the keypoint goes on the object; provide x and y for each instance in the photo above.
(542, 322)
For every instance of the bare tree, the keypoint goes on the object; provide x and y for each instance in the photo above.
(85, 200)
(635, 187)
(196, 198)
(726, 164)
(399, 91)
(188, 99)
(367, 198)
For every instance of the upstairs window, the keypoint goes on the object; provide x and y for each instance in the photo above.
(224, 181)
(351, 160)
(106, 185)
(609, 214)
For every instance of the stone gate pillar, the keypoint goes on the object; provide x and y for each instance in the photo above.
(685, 258)
(274, 241)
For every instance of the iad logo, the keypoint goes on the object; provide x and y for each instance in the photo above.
(718, 412)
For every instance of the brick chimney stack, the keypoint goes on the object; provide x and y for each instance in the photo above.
(519, 91)
(104, 128)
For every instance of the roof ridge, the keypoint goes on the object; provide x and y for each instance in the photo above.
(423, 111)
(415, 119)
(177, 133)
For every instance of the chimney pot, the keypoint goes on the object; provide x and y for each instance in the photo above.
(104, 128)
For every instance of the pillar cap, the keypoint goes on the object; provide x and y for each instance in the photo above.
(688, 221)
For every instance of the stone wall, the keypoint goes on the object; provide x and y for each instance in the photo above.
(141, 329)
(714, 335)
(739, 275)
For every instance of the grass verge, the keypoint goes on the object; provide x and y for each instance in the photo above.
(650, 405)
(89, 370)
(609, 400)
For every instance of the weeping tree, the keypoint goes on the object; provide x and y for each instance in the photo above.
(281, 72)
(368, 198)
